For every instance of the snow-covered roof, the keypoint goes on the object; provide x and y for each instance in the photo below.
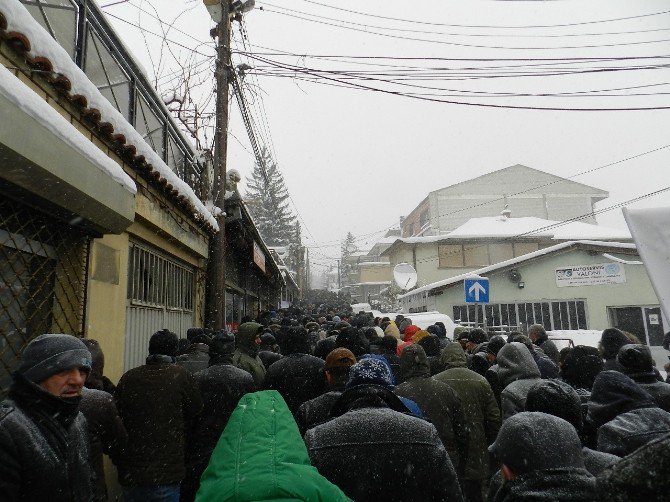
(519, 259)
(25, 99)
(497, 227)
(41, 46)
(500, 226)
(374, 264)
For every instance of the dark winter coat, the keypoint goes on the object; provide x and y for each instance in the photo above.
(548, 347)
(157, 403)
(246, 353)
(479, 407)
(316, 411)
(394, 363)
(373, 451)
(613, 393)
(221, 387)
(298, 378)
(547, 367)
(43, 447)
(630, 430)
(641, 476)
(550, 485)
(636, 361)
(268, 357)
(196, 358)
(597, 461)
(517, 373)
(106, 434)
(438, 402)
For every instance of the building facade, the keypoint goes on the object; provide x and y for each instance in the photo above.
(574, 285)
(523, 190)
(103, 233)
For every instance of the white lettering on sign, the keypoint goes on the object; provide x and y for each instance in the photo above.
(590, 275)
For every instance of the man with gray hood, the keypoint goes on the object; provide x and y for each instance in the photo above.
(517, 373)
(43, 441)
(541, 460)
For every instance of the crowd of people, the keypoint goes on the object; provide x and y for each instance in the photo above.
(321, 406)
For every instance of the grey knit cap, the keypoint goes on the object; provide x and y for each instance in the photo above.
(49, 354)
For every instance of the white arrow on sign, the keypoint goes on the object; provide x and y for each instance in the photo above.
(477, 289)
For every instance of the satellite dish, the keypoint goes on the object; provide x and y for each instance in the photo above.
(404, 276)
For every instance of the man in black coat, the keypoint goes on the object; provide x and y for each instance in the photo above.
(106, 434)
(374, 451)
(221, 387)
(157, 402)
(635, 361)
(298, 376)
(43, 442)
(336, 373)
(541, 460)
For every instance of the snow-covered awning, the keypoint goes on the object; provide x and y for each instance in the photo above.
(41, 152)
(42, 51)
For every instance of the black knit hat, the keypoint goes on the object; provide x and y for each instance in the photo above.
(222, 343)
(558, 399)
(635, 359)
(163, 342)
(49, 354)
(496, 343)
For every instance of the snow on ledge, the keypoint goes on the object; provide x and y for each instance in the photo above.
(43, 45)
(24, 98)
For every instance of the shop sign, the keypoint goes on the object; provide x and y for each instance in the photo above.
(590, 275)
(259, 257)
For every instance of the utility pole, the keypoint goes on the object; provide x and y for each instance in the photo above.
(339, 277)
(217, 276)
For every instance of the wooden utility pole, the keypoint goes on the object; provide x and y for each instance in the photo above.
(217, 270)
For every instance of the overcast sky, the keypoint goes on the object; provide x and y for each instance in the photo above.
(355, 160)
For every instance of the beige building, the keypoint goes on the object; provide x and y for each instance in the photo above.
(102, 230)
(523, 190)
(573, 285)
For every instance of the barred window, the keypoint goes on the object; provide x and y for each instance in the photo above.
(155, 281)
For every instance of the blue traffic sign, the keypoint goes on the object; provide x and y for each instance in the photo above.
(476, 290)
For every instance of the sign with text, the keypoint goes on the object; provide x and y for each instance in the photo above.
(476, 290)
(259, 256)
(590, 275)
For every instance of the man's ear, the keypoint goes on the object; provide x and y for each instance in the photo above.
(507, 473)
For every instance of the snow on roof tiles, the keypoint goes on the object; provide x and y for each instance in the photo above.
(24, 98)
(44, 50)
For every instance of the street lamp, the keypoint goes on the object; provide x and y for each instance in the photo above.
(236, 7)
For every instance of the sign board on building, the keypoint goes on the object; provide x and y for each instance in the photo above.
(259, 257)
(590, 275)
(476, 290)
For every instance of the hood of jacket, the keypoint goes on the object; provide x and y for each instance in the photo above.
(614, 393)
(261, 456)
(515, 362)
(453, 356)
(392, 330)
(246, 337)
(414, 363)
(627, 432)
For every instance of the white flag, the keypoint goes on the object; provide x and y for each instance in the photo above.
(650, 229)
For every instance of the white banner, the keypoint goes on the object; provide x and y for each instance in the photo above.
(590, 275)
(651, 232)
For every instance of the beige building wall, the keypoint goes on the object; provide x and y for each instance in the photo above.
(375, 273)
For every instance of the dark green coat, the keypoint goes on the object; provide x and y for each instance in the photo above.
(437, 401)
(481, 412)
(261, 456)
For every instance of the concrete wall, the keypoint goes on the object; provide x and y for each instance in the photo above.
(375, 273)
(540, 284)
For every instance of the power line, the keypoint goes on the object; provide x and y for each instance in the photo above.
(486, 26)
(460, 44)
(316, 73)
(485, 35)
(521, 192)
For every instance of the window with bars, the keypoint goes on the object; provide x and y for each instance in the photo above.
(156, 281)
(42, 280)
(553, 315)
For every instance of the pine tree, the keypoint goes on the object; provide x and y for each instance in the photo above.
(347, 264)
(267, 200)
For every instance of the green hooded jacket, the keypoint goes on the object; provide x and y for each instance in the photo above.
(261, 456)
